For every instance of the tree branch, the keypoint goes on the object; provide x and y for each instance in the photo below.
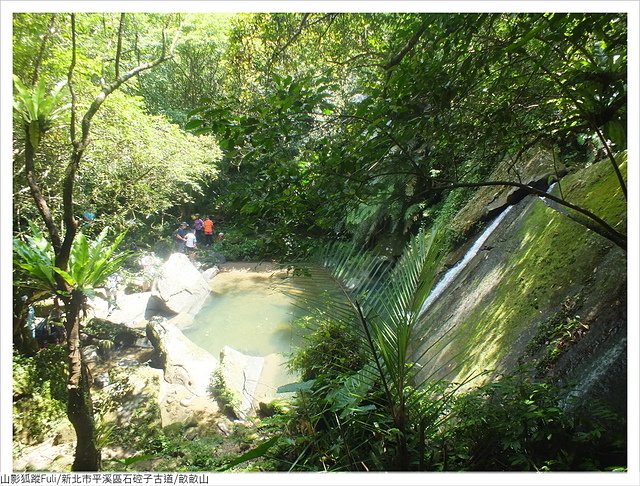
(608, 232)
(586, 115)
(292, 39)
(45, 38)
(395, 60)
(79, 146)
(119, 47)
(36, 194)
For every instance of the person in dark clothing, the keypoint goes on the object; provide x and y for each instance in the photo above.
(198, 227)
(179, 237)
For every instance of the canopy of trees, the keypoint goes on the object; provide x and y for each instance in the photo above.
(355, 122)
(349, 124)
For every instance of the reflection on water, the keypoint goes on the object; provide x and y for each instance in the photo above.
(246, 313)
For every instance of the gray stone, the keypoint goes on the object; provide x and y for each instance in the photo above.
(90, 354)
(128, 362)
(97, 307)
(210, 273)
(183, 362)
(143, 343)
(224, 427)
(101, 380)
(517, 194)
(138, 284)
(541, 182)
(241, 374)
(128, 309)
(182, 321)
(494, 208)
(179, 288)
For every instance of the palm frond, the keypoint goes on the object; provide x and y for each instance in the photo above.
(389, 298)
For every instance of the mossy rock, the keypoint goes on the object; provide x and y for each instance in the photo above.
(536, 259)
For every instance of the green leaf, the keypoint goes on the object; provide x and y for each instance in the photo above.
(295, 387)
(525, 39)
(67, 278)
(615, 131)
(195, 123)
(252, 454)
(352, 390)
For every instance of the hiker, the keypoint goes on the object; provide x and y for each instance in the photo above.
(207, 226)
(88, 218)
(50, 330)
(179, 237)
(197, 225)
(190, 243)
(31, 319)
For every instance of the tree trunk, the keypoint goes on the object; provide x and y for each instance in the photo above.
(79, 406)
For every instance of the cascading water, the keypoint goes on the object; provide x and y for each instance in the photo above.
(554, 205)
(596, 372)
(550, 190)
(458, 267)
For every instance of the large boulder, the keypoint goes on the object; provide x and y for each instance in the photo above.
(179, 287)
(210, 273)
(128, 309)
(184, 362)
(240, 374)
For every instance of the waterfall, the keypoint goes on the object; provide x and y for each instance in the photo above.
(453, 272)
(596, 372)
(558, 207)
(548, 191)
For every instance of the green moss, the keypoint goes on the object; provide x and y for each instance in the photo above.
(597, 189)
(555, 259)
(227, 399)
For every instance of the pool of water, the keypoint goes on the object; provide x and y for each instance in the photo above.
(248, 312)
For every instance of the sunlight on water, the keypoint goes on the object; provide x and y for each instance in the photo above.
(245, 312)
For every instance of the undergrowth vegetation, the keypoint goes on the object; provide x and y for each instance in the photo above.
(39, 393)
(515, 423)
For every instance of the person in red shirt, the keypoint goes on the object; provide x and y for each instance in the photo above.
(207, 228)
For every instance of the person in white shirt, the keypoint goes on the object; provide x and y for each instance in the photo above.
(190, 243)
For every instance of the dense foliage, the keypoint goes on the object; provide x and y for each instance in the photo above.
(357, 133)
(139, 170)
(512, 424)
(368, 130)
(39, 393)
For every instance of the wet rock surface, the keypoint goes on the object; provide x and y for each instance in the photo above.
(179, 288)
(535, 262)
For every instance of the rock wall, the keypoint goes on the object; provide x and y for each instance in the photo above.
(539, 270)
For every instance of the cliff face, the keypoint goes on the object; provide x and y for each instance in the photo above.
(543, 291)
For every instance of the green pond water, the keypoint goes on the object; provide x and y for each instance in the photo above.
(247, 311)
